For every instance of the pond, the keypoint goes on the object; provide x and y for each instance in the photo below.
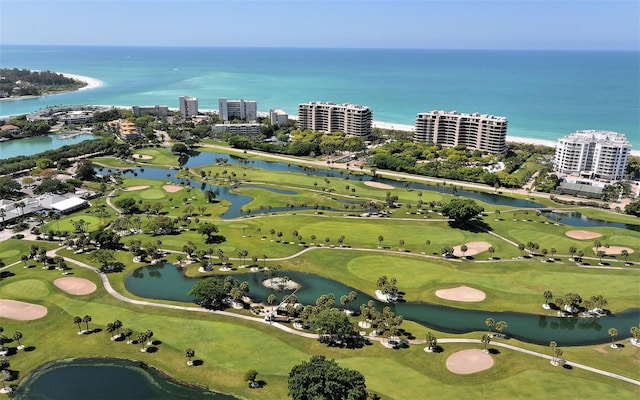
(238, 201)
(106, 378)
(30, 146)
(167, 282)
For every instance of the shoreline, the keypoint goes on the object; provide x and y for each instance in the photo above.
(92, 83)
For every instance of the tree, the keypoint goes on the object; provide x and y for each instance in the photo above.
(500, 326)
(490, 322)
(461, 211)
(432, 341)
(320, 378)
(485, 340)
(271, 299)
(86, 320)
(625, 254)
(463, 249)
(250, 376)
(77, 320)
(491, 251)
(380, 240)
(548, 295)
(613, 332)
(209, 292)
(207, 229)
(572, 251)
(521, 247)
(189, 353)
(635, 332)
(85, 171)
(553, 345)
(17, 335)
(334, 323)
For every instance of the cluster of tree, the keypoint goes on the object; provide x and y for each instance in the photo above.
(9, 188)
(52, 185)
(320, 378)
(546, 182)
(457, 162)
(385, 322)
(461, 211)
(211, 292)
(98, 146)
(23, 82)
(388, 286)
(107, 260)
(633, 208)
(27, 128)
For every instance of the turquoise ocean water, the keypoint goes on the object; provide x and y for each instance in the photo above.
(544, 94)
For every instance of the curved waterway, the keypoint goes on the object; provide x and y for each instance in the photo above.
(167, 282)
(106, 379)
(238, 201)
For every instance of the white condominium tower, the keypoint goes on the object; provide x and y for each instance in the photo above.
(244, 110)
(188, 106)
(351, 119)
(476, 131)
(593, 154)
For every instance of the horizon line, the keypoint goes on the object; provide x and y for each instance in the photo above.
(317, 47)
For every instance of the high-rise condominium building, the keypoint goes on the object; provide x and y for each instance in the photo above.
(351, 119)
(593, 154)
(188, 106)
(278, 117)
(245, 110)
(476, 131)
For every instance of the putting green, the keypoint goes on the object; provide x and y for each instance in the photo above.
(152, 194)
(26, 289)
(9, 253)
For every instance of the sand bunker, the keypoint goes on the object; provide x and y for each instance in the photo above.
(461, 293)
(77, 286)
(172, 188)
(469, 361)
(472, 248)
(138, 156)
(21, 311)
(378, 185)
(134, 188)
(614, 249)
(583, 235)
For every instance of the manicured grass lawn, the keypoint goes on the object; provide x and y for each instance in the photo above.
(230, 346)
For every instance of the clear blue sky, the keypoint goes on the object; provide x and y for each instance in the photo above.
(444, 24)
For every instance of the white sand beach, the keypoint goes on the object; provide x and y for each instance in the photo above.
(92, 83)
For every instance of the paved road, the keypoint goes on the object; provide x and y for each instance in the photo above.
(112, 292)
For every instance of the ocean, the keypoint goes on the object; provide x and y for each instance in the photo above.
(544, 94)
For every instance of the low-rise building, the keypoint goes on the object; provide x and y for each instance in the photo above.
(126, 129)
(239, 129)
(158, 111)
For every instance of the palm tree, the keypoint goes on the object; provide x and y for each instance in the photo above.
(427, 243)
(77, 320)
(491, 251)
(380, 240)
(86, 320)
(432, 341)
(189, 353)
(24, 258)
(485, 340)
(490, 322)
(624, 253)
(110, 329)
(463, 249)
(127, 334)
(635, 332)
(148, 335)
(557, 353)
(521, 248)
(572, 251)
(597, 244)
(580, 255)
(401, 242)
(5, 376)
(117, 324)
(271, 300)
(600, 255)
(553, 345)
(553, 252)
(613, 332)
(500, 326)
(548, 295)
(141, 339)
(17, 335)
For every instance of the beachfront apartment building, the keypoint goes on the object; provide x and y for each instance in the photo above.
(278, 117)
(593, 154)
(476, 131)
(248, 129)
(158, 111)
(328, 117)
(188, 106)
(245, 110)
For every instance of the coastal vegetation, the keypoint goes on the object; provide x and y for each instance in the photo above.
(16, 82)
